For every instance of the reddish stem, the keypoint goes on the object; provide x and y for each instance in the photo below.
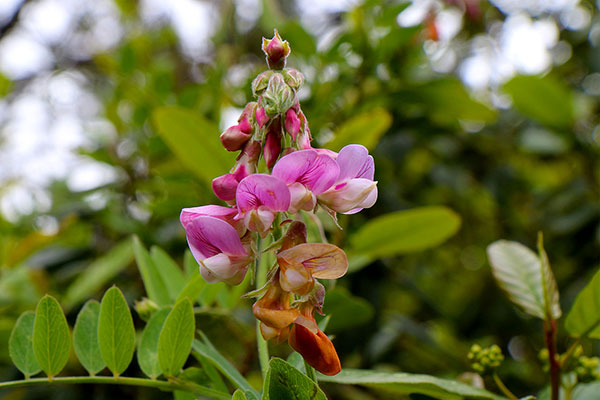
(550, 333)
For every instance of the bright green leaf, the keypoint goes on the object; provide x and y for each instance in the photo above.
(98, 273)
(346, 311)
(239, 395)
(20, 345)
(401, 383)
(116, 333)
(193, 289)
(194, 140)
(285, 382)
(406, 231)
(542, 98)
(169, 271)
(85, 338)
(190, 266)
(176, 336)
(584, 317)
(51, 337)
(147, 354)
(520, 274)
(153, 281)
(365, 129)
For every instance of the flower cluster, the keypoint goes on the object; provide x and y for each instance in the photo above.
(485, 359)
(264, 198)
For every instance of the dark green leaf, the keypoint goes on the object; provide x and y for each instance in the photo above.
(147, 354)
(285, 382)
(85, 338)
(406, 231)
(20, 345)
(401, 383)
(584, 317)
(176, 336)
(51, 337)
(542, 98)
(153, 281)
(346, 311)
(169, 271)
(116, 334)
(520, 274)
(98, 273)
(194, 140)
(365, 129)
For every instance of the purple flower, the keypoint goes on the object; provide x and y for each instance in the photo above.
(307, 174)
(259, 197)
(215, 243)
(354, 188)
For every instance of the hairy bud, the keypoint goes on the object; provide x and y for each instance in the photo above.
(293, 78)
(259, 84)
(278, 97)
(276, 50)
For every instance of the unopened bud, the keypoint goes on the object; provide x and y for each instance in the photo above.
(259, 84)
(145, 308)
(234, 138)
(248, 112)
(225, 186)
(276, 51)
(278, 97)
(272, 148)
(293, 78)
(261, 117)
(292, 123)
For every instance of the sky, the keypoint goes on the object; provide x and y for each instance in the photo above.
(36, 147)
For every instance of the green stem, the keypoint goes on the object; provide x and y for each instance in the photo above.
(261, 278)
(569, 352)
(568, 391)
(503, 387)
(162, 385)
(310, 372)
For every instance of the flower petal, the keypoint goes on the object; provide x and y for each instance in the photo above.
(317, 172)
(325, 261)
(355, 162)
(189, 214)
(209, 236)
(316, 349)
(260, 189)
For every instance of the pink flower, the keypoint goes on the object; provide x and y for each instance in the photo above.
(216, 244)
(225, 186)
(354, 188)
(259, 197)
(292, 123)
(236, 136)
(307, 174)
(261, 117)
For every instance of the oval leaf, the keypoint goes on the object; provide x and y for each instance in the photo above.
(176, 336)
(584, 317)
(193, 289)
(326, 261)
(116, 334)
(20, 345)
(169, 271)
(285, 382)
(153, 281)
(85, 338)
(346, 311)
(51, 338)
(407, 231)
(147, 354)
(523, 277)
(194, 140)
(365, 129)
(401, 383)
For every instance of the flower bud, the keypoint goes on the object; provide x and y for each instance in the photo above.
(292, 123)
(259, 84)
(234, 138)
(272, 148)
(278, 97)
(145, 308)
(293, 78)
(276, 51)
(296, 234)
(261, 117)
(225, 186)
(247, 113)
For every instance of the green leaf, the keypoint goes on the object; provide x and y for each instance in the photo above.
(98, 273)
(406, 231)
(51, 337)
(5, 87)
(584, 317)
(206, 349)
(365, 129)
(153, 281)
(176, 336)
(401, 383)
(147, 354)
(20, 345)
(194, 140)
(169, 271)
(85, 338)
(116, 334)
(239, 395)
(285, 382)
(193, 289)
(549, 286)
(190, 266)
(346, 311)
(522, 276)
(543, 99)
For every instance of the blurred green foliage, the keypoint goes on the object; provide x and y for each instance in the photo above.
(507, 172)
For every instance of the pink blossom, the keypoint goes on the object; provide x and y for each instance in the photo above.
(259, 197)
(307, 174)
(236, 136)
(292, 123)
(215, 243)
(354, 188)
